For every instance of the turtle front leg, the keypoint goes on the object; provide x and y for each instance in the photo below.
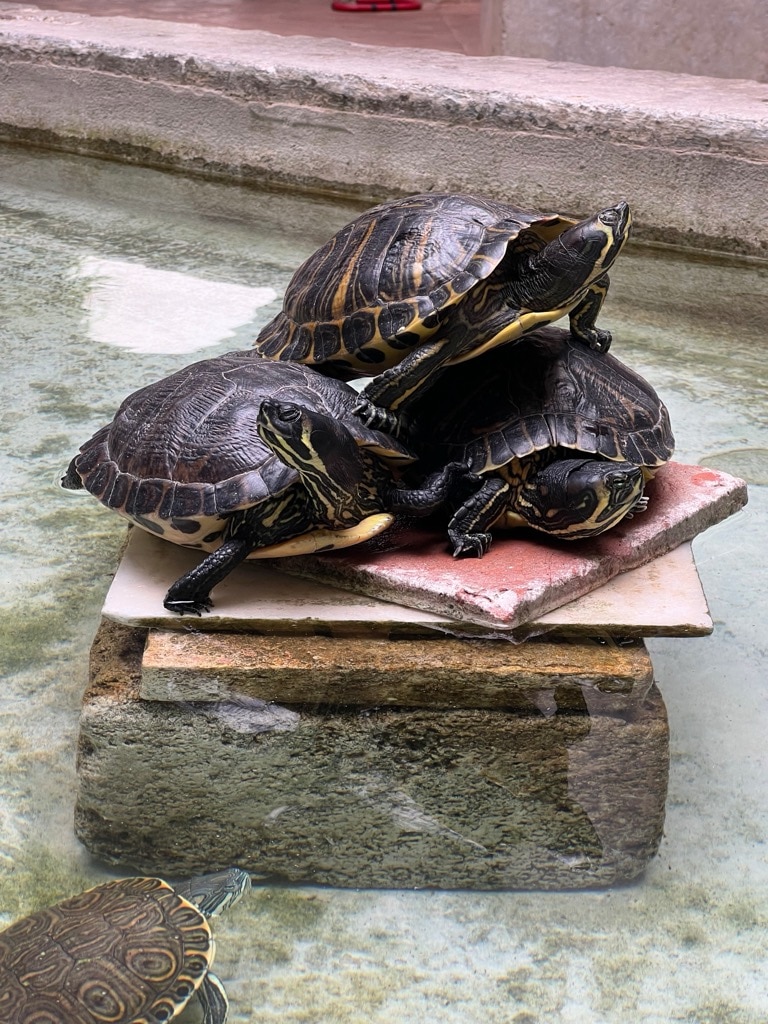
(584, 315)
(191, 593)
(213, 999)
(382, 399)
(469, 529)
(376, 418)
(452, 483)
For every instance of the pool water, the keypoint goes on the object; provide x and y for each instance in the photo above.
(115, 275)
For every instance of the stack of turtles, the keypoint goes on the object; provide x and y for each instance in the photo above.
(241, 456)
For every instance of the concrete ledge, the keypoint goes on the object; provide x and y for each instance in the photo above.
(690, 153)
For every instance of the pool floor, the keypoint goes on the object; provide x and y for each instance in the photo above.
(116, 275)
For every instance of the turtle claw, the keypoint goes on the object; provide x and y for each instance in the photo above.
(463, 483)
(193, 606)
(641, 505)
(599, 341)
(469, 545)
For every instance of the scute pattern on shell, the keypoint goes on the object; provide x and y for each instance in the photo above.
(547, 390)
(392, 271)
(186, 448)
(130, 951)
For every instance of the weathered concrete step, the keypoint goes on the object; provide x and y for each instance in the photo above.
(664, 598)
(255, 106)
(557, 791)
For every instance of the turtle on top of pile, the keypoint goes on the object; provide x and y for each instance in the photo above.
(269, 452)
(416, 283)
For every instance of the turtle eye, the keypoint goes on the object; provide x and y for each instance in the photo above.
(610, 217)
(285, 411)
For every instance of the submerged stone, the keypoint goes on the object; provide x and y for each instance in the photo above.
(496, 766)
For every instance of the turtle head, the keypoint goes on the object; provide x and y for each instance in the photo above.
(213, 893)
(562, 269)
(598, 240)
(576, 498)
(324, 453)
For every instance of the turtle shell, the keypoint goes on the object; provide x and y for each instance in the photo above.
(379, 286)
(131, 951)
(547, 391)
(183, 454)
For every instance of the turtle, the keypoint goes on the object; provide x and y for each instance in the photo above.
(128, 951)
(562, 438)
(419, 282)
(242, 457)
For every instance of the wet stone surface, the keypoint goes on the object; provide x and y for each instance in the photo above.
(561, 786)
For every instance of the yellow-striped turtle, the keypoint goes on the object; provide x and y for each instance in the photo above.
(130, 951)
(563, 439)
(419, 282)
(243, 457)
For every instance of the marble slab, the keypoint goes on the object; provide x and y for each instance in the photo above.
(663, 598)
(522, 578)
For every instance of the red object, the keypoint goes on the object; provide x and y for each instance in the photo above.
(376, 5)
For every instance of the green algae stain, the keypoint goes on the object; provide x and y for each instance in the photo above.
(40, 876)
(31, 632)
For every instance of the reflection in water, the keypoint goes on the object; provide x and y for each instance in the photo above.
(246, 714)
(143, 309)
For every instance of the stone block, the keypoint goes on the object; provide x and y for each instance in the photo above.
(372, 672)
(544, 774)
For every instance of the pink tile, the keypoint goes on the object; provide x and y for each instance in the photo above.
(523, 577)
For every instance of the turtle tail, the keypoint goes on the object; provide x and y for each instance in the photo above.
(71, 479)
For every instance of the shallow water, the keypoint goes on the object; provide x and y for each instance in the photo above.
(114, 276)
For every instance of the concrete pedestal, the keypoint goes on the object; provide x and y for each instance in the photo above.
(479, 763)
(313, 736)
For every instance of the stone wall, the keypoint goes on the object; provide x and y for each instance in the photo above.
(724, 40)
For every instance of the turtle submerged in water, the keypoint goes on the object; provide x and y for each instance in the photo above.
(130, 951)
(242, 457)
(417, 283)
(563, 439)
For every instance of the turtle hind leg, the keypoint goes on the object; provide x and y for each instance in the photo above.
(191, 593)
(213, 1000)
